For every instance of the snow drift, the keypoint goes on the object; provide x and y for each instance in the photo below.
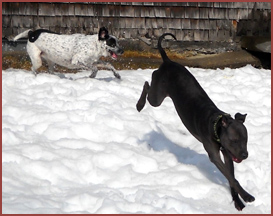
(71, 144)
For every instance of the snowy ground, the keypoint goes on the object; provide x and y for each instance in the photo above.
(80, 146)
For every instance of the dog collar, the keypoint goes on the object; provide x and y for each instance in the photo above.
(215, 126)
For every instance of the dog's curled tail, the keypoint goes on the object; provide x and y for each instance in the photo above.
(22, 35)
(161, 50)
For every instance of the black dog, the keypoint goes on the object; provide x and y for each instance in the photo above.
(211, 126)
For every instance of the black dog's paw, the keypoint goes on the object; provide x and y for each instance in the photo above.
(238, 203)
(249, 198)
(239, 206)
(139, 106)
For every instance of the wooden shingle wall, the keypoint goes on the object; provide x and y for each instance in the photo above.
(189, 21)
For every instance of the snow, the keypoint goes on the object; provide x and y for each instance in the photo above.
(71, 144)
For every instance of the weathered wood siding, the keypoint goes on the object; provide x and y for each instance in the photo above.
(189, 21)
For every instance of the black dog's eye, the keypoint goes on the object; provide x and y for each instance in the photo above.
(234, 142)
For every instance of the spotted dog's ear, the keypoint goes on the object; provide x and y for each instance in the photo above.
(103, 34)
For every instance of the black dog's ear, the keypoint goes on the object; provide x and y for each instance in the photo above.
(239, 117)
(225, 121)
(103, 34)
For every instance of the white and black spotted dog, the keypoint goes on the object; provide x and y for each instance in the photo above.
(76, 51)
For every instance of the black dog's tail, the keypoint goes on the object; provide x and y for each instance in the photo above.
(161, 50)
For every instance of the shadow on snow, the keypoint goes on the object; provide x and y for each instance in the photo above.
(159, 142)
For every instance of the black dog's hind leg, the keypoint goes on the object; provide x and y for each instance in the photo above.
(229, 163)
(142, 100)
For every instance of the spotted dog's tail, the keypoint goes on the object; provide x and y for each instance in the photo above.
(32, 35)
(161, 50)
(22, 35)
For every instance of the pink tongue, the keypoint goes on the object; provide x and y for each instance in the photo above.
(236, 159)
(114, 55)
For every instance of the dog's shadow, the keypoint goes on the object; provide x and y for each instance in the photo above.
(69, 77)
(106, 79)
(62, 76)
(159, 142)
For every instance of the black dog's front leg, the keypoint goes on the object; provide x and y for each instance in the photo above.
(229, 163)
(228, 172)
(142, 100)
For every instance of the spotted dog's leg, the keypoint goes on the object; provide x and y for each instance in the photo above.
(108, 66)
(77, 60)
(80, 62)
(94, 72)
(50, 66)
(35, 57)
